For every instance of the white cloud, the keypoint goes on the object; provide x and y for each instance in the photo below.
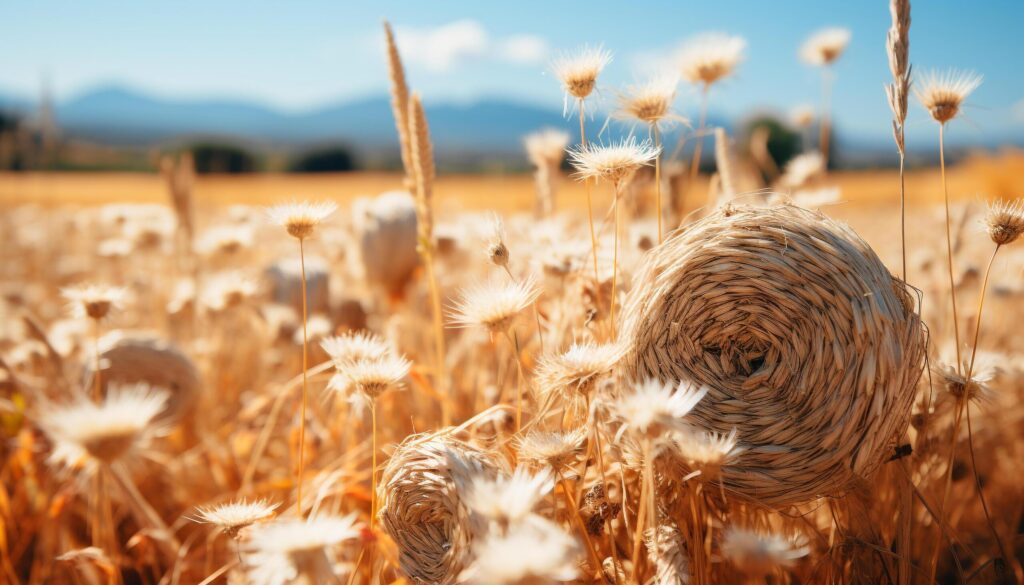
(444, 47)
(524, 49)
(449, 46)
(1017, 111)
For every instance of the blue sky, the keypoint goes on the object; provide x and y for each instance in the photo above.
(304, 53)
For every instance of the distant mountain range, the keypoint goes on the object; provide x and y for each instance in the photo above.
(118, 115)
(486, 130)
(121, 116)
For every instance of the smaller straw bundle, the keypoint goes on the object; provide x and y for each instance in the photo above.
(135, 358)
(421, 507)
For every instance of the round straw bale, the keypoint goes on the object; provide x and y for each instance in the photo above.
(421, 508)
(130, 358)
(809, 346)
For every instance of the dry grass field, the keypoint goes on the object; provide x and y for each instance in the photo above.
(632, 374)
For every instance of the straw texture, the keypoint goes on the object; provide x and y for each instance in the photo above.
(810, 348)
(141, 357)
(421, 509)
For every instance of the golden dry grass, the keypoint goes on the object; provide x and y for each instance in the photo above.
(995, 176)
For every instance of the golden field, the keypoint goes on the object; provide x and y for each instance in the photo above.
(653, 377)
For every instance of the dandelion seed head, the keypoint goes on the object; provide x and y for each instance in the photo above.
(552, 449)
(546, 147)
(495, 304)
(94, 301)
(825, 46)
(232, 517)
(578, 71)
(85, 433)
(301, 219)
(355, 346)
(652, 407)
(943, 93)
(757, 553)
(651, 102)
(614, 162)
(508, 499)
(371, 377)
(710, 57)
(578, 368)
(1004, 221)
(538, 552)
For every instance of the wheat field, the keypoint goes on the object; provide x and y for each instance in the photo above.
(631, 373)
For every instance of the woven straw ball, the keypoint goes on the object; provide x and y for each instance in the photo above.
(808, 345)
(134, 357)
(420, 506)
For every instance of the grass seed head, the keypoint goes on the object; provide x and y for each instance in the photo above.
(300, 220)
(943, 93)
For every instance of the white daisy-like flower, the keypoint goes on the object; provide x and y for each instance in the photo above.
(943, 93)
(551, 448)
(802, 169)
(228, 289)
(546, 147)
(707, 451)
(578, 71)
(577, 369)
(494, 304)
(613, 162)
(757, 553)
(232, 517)
(371, 377)
(710, 57)
(354, 346)
(508, 499)
(94, 301)
(86, 434)
(651, 102)
(301, 219)
(287, 550)
(537, 552)
(825, 46)
(226, 239)
(654, 407)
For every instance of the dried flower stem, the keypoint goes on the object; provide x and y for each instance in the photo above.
(373, 463)
(615, 262)
(305, 391)
(949, 244)
(595, 430)
(657, 179)
(825, 125)
(698, 147)
(574, 511)
(513, 339)
(590, 206)
(168, 542)
(97, 389)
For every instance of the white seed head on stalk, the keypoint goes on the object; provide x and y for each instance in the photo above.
(232, 517)
(943, 93)
(94, 301)
(578, 71)
(495, 304)
(85, 433)
(825, 46)
(301, 219)
(613, 162)
(710, 57)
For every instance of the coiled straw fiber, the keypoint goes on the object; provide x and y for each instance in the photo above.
(134, 357)
(421, 509)
(809, 346)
